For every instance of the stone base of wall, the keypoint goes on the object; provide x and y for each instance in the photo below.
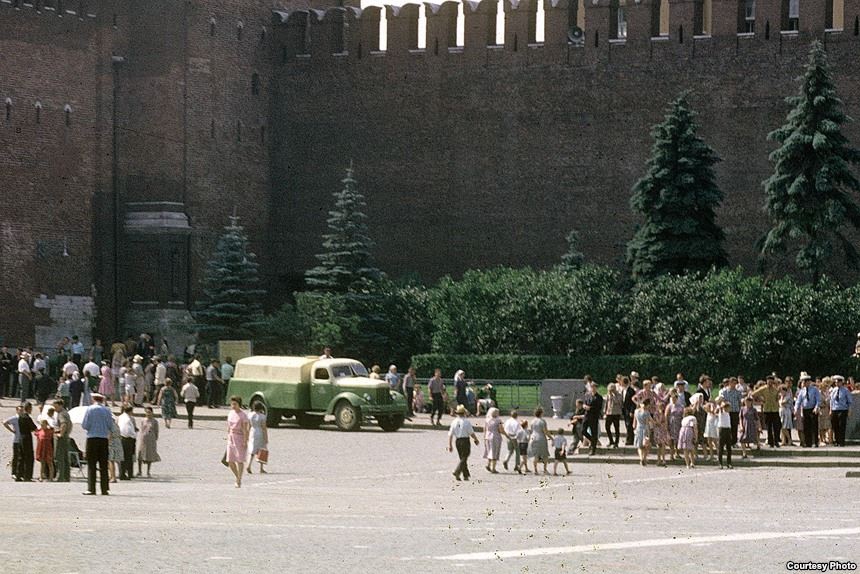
(69, 315)
(175, 325)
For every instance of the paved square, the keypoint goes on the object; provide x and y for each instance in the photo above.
(386, 502)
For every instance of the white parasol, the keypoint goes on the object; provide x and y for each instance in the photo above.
(77, 414)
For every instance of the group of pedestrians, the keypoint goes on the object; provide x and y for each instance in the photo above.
(681, 425)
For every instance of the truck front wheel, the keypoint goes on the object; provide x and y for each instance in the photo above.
(347, 416)
(391, 424)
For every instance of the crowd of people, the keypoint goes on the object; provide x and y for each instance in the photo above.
(705, 424)
(129, 374)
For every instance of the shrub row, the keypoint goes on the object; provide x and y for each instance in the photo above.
(604, 368)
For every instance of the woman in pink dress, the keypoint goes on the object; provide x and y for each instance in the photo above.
(238, 431)
(106, 387)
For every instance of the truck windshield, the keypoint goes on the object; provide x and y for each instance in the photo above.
(350, 370)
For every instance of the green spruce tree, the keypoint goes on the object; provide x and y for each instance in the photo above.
(573, 259)
(677, 197)
(809, 196)
(232, 304)
(346, 261)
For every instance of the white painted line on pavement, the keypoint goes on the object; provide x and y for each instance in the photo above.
(652, 543)
(220, 558)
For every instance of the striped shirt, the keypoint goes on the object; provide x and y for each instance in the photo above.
(733, 397)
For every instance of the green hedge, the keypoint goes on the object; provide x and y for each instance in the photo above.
(604, 368)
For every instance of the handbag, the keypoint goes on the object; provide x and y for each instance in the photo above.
(263, 455)
(224, 459)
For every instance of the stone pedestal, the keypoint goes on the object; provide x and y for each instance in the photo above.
(569, 389)
(852, 429)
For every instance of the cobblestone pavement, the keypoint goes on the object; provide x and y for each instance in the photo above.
(379, 502)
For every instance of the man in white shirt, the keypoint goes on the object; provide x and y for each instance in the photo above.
(70, 368)
(91, 369)
(190, 394)
(460, 431)
(326, 353)
(128, 434)
(25, 377)
(511, 426)
(160, 373)
(39, 363)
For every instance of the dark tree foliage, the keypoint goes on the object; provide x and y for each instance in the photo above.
(232, 303)
(677, 198)
(346, 261)
(809, 197)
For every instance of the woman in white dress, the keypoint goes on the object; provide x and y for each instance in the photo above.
(259, 438)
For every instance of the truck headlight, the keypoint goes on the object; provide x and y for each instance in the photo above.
(368, 398)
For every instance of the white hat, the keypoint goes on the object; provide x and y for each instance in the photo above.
(837, 377)
(804, 376)
(137, 358)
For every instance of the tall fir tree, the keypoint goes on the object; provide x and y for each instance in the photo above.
(677, 197)
(346, 261)
(573, 258)
(232, 305)
(809, 196)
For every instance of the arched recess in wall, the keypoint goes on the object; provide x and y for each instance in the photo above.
(790, 15)
(212, 26)
(8, 109)
(255, 84)
(702, 11)
(836, 14)
(576, 14)
(67, 115)
(617, 20)
(240, 28)
(38, 111)
(659, 18)
(746, 16)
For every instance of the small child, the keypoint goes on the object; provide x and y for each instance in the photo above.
(576, 423)
(687, 437)
(523, 445)
(712, 432)
(559, 443)
(749, 427)
(724, 423)
(45, 451)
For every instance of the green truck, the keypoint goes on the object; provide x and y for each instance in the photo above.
(310, 389)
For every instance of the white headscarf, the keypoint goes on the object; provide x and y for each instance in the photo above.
(492, 413)
(459, 374)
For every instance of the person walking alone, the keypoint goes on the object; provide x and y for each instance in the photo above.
(409, 389)
(436, 388)
(628, 408)
(190, 394)
(238, 432)
(593, 409)
(459, 433)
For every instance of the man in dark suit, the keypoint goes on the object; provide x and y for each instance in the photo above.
(704, 389)
(628, 407)
(593, 409)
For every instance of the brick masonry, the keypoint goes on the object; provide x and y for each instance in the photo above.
(469, 155)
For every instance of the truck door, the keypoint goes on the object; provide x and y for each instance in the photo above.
(321, 389)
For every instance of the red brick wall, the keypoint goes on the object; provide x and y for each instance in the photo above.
(49, 172)
(489, 156)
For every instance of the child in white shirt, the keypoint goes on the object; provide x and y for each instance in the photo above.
(523, 444)
(559, 443)
(724, 422)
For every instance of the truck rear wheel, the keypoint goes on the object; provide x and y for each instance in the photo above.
(392, 423)
(273, 416)
(347, 416)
